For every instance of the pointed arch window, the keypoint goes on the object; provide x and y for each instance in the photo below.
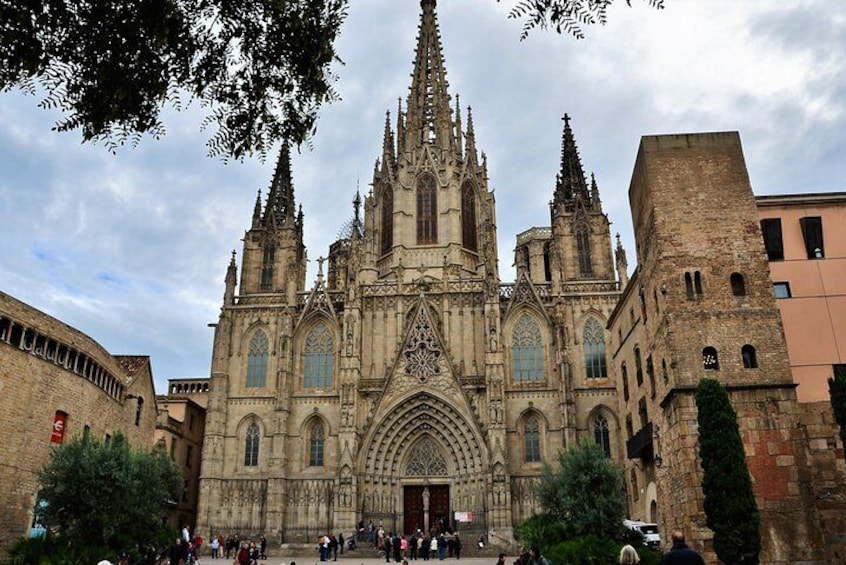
(531, 436)
(251, 446)
(601, 435)
(468, 217)
(318, 358)
(427, 210)
(316, 443)
(527, 350)
(387, 235)
(547, 263)
(268, 258)
(594, 344)
(257, 361)
(584, 250)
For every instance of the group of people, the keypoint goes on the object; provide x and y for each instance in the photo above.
(186, 549)
(328, 544)
(679, 554)
(436, 546)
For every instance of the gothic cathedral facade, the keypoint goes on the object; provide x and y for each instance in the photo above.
(409, 383)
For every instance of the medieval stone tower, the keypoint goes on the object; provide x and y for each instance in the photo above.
(409, 383)
(701, 304)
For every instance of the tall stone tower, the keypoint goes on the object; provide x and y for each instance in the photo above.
(408, 386)
(701, 305)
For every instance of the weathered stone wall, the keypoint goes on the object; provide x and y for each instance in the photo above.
(696, 225)
(825, 455)
(47, 367)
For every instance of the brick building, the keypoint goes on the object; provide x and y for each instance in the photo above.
(56, 382)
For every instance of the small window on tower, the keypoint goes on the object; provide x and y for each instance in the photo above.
(750, 358)
(710, 361)
(738, 285)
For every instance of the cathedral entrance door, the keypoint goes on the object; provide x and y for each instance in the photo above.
(425, 507)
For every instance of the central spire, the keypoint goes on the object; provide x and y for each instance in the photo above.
(571, 183)
(280, 198)
(428, 108)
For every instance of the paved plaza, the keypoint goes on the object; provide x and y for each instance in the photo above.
(359, 557)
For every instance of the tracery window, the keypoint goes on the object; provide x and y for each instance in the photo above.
(251, 446)
(267, 261)
(427, 210)
(318, 358)
(426, 460)
(601, 435)
(316, 443)
(257, 361)
(468, 217)
(387, 235)
(584, 250)
(531, 434)
(594, 345)
(527, 350)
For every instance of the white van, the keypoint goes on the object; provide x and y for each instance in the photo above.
(651, 537)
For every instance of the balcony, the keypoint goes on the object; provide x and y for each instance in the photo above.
(640, 446)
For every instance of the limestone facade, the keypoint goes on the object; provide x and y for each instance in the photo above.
(52, 373)
(409, 382)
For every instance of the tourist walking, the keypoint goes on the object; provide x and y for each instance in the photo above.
(680, 553)
(629, 556)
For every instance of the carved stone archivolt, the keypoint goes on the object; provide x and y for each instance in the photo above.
(433, 421)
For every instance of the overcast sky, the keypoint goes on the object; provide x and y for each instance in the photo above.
(132, 248)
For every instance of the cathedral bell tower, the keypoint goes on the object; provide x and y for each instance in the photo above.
(274, 259)
(581, 242)
(430, 213)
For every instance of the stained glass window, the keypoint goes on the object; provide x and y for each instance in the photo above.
(387, 219)
(594, 345)
(468, 217)
(532, 440)
(316, 444)
(527, 350)
(427, 210)
(251, 446)
(318, 358)
(584, 250)
(257, 361)
(267, 265)
(601, 435)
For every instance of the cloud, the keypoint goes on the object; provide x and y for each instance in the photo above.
(132, 248)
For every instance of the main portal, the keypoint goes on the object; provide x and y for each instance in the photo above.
(425, 506)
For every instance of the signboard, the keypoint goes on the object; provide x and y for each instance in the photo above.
(466, 517)
(58, 433)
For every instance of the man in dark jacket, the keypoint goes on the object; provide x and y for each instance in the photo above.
(681, 554)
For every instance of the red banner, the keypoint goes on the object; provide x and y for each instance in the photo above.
(58, 433)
